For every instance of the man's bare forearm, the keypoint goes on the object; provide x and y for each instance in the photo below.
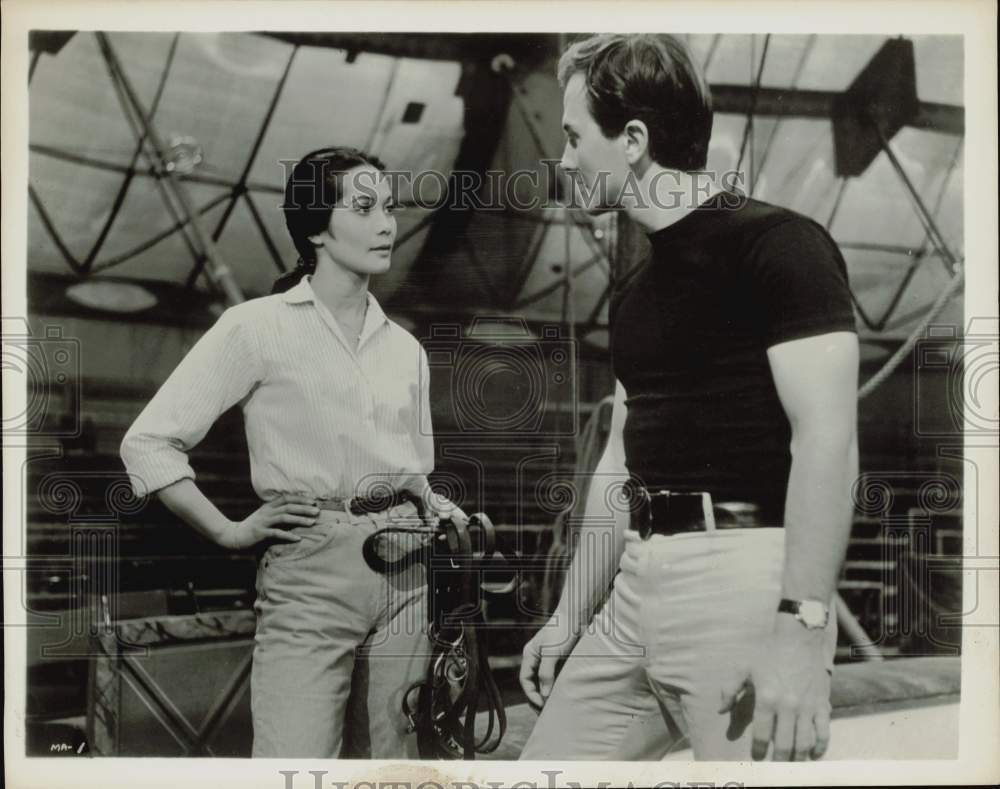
(818, 512)
(597, 545)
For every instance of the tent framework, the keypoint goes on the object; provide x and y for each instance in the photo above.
(152, 158)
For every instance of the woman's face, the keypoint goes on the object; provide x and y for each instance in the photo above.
(362, 227)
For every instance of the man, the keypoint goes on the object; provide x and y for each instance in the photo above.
(734, 425)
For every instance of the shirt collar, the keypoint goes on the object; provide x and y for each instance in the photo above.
(300, 293)
(303, 292)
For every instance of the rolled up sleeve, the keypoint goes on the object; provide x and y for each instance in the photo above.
(219, 371)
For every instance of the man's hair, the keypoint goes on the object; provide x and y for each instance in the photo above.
(651, 78)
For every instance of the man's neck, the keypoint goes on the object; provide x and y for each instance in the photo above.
(667, 196)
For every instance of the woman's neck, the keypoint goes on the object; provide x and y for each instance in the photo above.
(340, 290)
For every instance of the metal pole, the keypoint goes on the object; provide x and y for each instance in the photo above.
(855, 633)
(573, 214)
(215, 266)
(930, 226)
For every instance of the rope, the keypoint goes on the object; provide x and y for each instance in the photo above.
(904, 350)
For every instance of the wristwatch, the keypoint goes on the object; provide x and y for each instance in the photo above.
(813, 614)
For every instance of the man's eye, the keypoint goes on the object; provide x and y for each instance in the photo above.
(390, 208)
(364, 208)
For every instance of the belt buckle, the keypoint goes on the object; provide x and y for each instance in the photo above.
(640, 511)
(373, 505)
(331, 503)
(707, 510)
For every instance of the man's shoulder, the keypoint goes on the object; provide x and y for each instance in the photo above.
(763, 231)
(757, 217)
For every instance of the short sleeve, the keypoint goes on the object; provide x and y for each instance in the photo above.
(798, 283)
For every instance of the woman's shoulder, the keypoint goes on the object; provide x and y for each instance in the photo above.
(402, 336)
(252, 311)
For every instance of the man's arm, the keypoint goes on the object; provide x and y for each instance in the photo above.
(592, 569)
(817, 383)
(816, 379)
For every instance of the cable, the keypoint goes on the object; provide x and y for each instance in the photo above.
(897, 358)
(754, 92)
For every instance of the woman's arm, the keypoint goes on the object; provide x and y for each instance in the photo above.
(435, 504)
(187, 502)
(220, 370)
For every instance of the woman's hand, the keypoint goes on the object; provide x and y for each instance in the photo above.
(271, 521)
(438, 508)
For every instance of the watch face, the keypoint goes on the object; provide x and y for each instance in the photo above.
(813, 613)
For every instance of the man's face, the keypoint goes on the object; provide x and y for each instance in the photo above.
(596, 164)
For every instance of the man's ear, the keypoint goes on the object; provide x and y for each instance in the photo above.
(636, 141)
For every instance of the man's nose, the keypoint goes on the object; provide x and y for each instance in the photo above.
(568, 161)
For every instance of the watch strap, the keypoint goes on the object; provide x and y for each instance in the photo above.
(787, 606)
(813, 614)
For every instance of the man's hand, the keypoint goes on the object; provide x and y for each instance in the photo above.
(791, 685)
(541, 655)
(271, 521)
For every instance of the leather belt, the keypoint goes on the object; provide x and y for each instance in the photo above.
(361, 505)
(669, 512)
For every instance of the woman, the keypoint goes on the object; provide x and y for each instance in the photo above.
(335, 402)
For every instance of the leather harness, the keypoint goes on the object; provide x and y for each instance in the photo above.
(442, 707)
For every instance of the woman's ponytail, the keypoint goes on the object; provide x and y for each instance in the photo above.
(290, 279)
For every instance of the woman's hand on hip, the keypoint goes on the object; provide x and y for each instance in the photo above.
(271, 521)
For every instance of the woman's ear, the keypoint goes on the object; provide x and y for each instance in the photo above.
(636, 141)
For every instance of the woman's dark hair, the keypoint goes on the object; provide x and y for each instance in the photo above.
(312, 191)
(651, 78)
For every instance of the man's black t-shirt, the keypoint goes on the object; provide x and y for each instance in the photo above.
(690, 333)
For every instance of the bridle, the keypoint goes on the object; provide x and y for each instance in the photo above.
(442, 707)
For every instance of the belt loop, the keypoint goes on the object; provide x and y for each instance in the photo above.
(708, 510)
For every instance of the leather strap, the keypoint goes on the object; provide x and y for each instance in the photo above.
(453, 556)
(669, 512)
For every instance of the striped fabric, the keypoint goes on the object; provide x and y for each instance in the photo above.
(320, 419)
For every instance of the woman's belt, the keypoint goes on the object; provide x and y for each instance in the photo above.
(370, 505)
